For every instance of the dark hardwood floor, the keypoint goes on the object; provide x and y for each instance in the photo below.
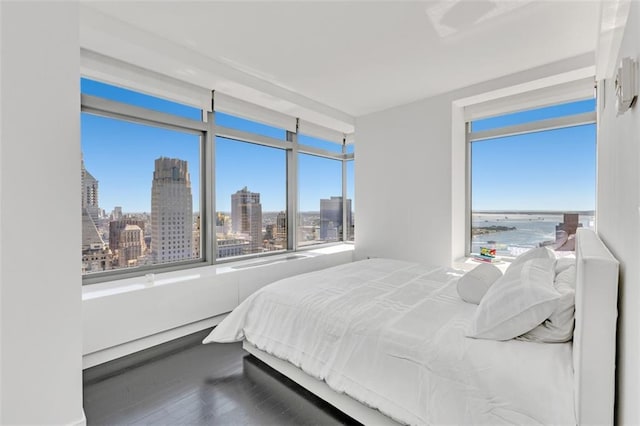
(215, 384)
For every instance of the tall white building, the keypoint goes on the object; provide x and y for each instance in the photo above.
(171, 211)
(246, 217)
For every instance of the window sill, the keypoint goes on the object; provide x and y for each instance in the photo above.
(151, 280)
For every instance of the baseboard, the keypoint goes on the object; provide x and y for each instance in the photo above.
(109, 354)
(119, 365)
(81, 422)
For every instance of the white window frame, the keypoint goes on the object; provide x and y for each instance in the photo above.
(519, 129)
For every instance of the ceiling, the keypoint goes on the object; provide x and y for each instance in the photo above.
(359, 57)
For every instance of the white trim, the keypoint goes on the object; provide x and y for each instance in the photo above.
(234, 106)
(346, 404)
(524, 89)
(113, 71)
(350, 138)
(114, 352)
(570, 91)
(109, 108)
(534, 126)
(309, 129)
(242, 136)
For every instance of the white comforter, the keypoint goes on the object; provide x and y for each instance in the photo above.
(391, 334)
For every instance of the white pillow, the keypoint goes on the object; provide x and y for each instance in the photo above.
(517, 302)
(473, 285)
(559, 326)
(536, 253)
(564, 263)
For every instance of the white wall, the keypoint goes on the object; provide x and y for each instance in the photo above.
(118, 323)
(618, 222)
(409, 173)
(41, 301)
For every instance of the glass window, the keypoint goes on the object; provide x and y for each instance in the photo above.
(319, 199)
(522, 117)
(319, 143)
(351, 200)
(533, 189)
(140, 195)
(350, 148)
(251, 202)
(119, 94)
(238, 123)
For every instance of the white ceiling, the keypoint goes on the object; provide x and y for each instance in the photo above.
(360, 57)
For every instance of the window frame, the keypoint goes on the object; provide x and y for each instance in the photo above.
(102, 107)
(207, 130)
(562, 122)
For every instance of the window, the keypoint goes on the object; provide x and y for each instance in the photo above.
(351, 199)
(251, 202)
(164, 188)
(140, 184)
(533, 188)
(320, 200)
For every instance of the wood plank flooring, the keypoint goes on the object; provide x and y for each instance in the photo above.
(215, 384)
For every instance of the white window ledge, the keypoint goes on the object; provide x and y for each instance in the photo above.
(150, 280)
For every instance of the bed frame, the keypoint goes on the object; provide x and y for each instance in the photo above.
(594, 343)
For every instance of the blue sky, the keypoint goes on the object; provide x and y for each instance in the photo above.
(121, 156)
(552, 170)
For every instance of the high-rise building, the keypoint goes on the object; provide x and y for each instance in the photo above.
(116, 227)
(171, 211)
(331, 218)
(281, 226)
(196, 237)
(116, 213)
(246, 217)
(131, 245)
(89, 186)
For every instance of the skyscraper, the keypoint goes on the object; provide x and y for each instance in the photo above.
(331, 218)
(171, 211)
(89, 186)
(246, 217)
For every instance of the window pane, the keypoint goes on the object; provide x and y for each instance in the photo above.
(238, 123)
(251, 203)
(537, 114)
(320, 200)
(532, 190)
(350, 148)
(319, 143)
(352, 198)
(113, 93)
(140, 195)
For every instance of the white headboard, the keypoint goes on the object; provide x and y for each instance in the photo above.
(594, 340)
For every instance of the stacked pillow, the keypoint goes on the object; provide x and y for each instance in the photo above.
(533, 300)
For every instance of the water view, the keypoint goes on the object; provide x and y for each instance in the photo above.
(512, 233)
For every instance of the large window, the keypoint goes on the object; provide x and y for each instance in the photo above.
(533, 178)
(140, 188)
(320, 200)
(251, 201)
(167, 186)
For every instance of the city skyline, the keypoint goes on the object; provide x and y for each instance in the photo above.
(120, 156)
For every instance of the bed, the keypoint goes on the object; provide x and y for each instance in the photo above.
(386, 342)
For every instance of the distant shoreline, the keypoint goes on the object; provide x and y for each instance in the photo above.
(483, 230)
(535, 212)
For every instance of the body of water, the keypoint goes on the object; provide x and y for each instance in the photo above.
(531, 230)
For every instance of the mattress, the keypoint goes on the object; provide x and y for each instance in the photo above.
(391, 334)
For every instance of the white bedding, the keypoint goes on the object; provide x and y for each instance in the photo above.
(391, 334)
